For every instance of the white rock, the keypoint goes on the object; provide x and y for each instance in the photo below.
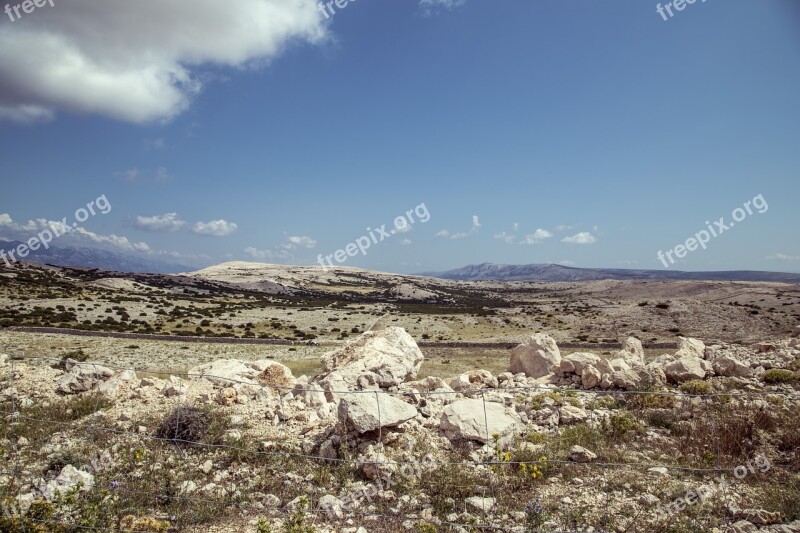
(480, 504)
(367, 411)
(384, 359)
(111, 387)
(689, 347)
(684, 369)
(729, 366)
(82, 377)
(576, 362)
(569, 415)
(466, 419)
(68, 478)
(591, 377)
(536, 358)
(632, 350)
(579, 454)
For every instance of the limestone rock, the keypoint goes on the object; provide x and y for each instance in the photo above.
(82, 377)
(467, 420)
(579, 454)
(368, 412)
(377, 359)
(536, 358)
(689, 347)
(684, 369)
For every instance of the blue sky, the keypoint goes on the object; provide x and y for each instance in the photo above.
(589, 133)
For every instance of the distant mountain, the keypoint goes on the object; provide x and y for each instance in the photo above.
(93, 258)
(545, 272)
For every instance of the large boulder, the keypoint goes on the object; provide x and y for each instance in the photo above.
(688, 347)
(232, 372)
(367, 411)
(536, 358)
(82, 377)
(377, 359)
(69, 478)
(684, 369)
(574, 363)
(467, 420)
(729, 366)
(632, 351)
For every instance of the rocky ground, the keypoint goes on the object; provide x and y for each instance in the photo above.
(703, 438)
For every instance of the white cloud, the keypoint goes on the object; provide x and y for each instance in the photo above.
(131, 175)
(162, 176)
(406, 242)
(303, 242)
(215, 228)
(628, 262)
(76, 235)
(507, 237)
(782, 257)
(165, 222)
(515, 226)
(536, 237)
(563, 227)
(154, 144)
(429, 6)
(583, 237)
(255, 253)
(566, 263)
(476, 225)
(139, 61)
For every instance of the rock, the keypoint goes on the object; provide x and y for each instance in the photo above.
(271, 501)
(536, 358)
(226, 396)
(466, 420)
(175, 387)
(684, 369)
(384, 358)
(4, 359)
(742, 526)
(648, 500)
(579, 454)
(312, 394)
(274, 374)
(759, 517)
(331, 505)
(576, 362)
(187, 487)
(428, 385)
(476, 379)
(688, 347)
(729, 366)
(658, 471)
(82, 377)
(110, 388)
(632, 350)
(569, 415)
(480, 504)
(368, 412)
(69, 478)
(591, 377)
(377, 465)
(225, 372)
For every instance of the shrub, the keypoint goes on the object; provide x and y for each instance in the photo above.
(187, 425)
(697, 386)
(779, 375)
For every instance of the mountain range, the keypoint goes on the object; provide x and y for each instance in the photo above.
(76, 256)
(552, 272)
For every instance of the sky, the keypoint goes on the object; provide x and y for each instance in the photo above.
(586, 133)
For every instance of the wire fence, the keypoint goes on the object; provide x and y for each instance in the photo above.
(722, 434)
